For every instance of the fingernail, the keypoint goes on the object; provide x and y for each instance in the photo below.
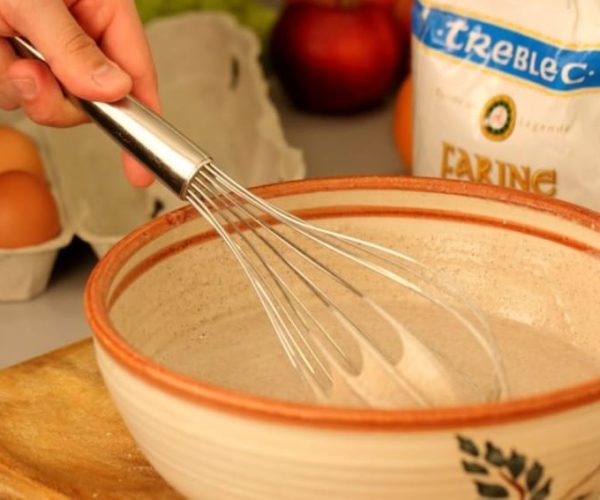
(26, 87)
(109, 75)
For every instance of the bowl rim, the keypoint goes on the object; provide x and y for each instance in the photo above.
(263, 408)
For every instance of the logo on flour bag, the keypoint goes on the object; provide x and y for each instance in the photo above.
(498, 118)
(506, 51)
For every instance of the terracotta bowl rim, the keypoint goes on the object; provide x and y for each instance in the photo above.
(262, 408)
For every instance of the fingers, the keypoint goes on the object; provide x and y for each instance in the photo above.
(40, 95)
(126, 31)
(123, 30)
(9, 94)
(30, 85)
(136, 173)
(72, 54)
(121, 64)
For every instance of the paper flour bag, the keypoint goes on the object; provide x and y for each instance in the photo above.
(507, 93)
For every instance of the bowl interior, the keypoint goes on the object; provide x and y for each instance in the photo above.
(176, 295)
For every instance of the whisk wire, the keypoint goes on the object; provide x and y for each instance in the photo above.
(287, 293)
(480, 333)
(217, 192)
(222, 191)
(272, 312)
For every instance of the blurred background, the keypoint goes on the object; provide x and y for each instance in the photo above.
(313, 53)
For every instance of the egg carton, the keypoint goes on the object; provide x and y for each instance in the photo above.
(213, 89)
(24, 272)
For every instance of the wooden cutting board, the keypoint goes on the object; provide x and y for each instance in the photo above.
(61, 436)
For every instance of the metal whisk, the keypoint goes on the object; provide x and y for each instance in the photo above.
(280, 265)
(346, 344)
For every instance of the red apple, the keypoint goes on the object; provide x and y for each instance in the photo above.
(340, 58)
(403, 13)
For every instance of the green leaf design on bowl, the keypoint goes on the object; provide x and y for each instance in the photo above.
(507, 475)
(474, 468)
(467, 445)
(491, 490)
(534, 475)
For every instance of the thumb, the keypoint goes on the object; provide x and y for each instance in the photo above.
(72, 55)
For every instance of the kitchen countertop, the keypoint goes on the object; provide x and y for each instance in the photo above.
(332, 146)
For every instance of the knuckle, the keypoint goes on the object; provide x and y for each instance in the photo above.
(124, 4)
(55, 120)
(17, 13)
(77, 42)
(8, 104)
(12, 10)
(152, 78)
(11, 106)
(44, 113)
(9, 100)
(43, 116)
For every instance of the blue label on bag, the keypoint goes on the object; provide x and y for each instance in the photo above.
(505, 50)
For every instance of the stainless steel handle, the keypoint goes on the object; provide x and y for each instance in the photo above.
(171, 156)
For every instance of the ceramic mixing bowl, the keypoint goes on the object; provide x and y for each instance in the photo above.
(209, 397)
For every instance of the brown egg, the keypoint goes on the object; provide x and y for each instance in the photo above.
(19, 152)
(28, 212)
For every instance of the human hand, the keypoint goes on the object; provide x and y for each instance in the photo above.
(96, 48)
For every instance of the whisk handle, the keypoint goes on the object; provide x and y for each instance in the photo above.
(171, 156)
